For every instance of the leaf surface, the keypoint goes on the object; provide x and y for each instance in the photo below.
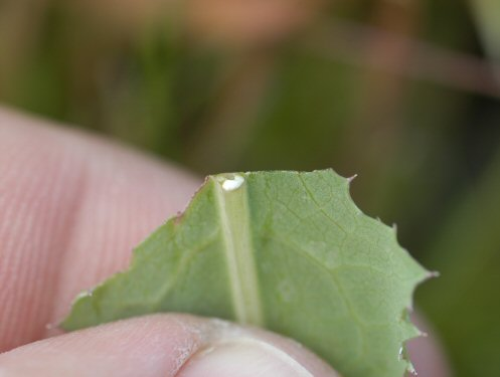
(287, 251)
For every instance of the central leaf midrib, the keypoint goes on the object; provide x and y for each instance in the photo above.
(236, 236)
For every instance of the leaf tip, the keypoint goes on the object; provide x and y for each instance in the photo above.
(351, 178)
(433, 274)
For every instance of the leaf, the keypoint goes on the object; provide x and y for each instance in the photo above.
(487, 13)
(287, 251)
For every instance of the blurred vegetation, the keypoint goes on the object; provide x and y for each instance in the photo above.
(403, 93)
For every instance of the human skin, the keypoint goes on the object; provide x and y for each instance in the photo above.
(72, 206)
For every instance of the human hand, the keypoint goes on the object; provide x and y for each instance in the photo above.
(71, 209)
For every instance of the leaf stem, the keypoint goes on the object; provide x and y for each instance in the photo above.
(231, 195)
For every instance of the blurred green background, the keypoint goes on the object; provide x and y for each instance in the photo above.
(403, 93)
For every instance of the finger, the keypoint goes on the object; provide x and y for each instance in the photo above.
(426, 353)
(165, 345)
(71, 209)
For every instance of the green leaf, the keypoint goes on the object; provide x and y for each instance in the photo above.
(487, 14)
(287, 251)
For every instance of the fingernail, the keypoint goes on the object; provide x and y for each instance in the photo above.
(243, 358)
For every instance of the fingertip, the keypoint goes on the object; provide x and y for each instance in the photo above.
(426, 353)
(165, 345)
(147, 346)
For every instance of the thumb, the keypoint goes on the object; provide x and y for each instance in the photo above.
(165, 345)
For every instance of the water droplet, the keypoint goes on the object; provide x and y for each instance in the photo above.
(233, 184)
(49, 326)
(89, 292)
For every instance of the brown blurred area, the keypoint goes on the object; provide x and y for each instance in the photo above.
(237, 23)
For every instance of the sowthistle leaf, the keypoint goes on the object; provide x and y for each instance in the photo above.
(287, 251)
